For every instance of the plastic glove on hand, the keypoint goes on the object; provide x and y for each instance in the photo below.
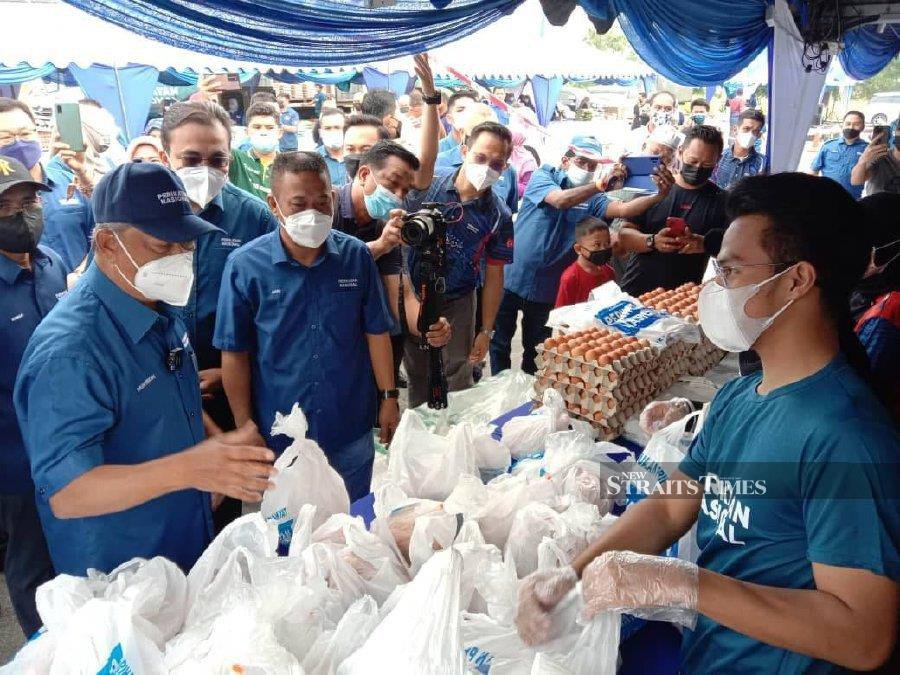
(660, 414)
(647, 586)
(539, 593)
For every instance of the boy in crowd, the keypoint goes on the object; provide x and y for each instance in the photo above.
(591, 269)
(249, 169)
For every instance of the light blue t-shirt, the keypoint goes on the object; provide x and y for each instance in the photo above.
(807, 473)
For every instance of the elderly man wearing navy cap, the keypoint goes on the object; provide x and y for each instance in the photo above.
(108, 395)
(554, 202)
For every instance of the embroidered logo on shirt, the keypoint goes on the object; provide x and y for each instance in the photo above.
(231, 242)
(146, 383)
(275, 291)
(61, 295)
(348, 283)
(185, 341)
(16, 317)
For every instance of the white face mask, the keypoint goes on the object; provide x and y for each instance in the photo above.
(168, 279)
(746, 139)
(481, 176)
(724, 320)
(308, 228)
(332, 139)
(578, 176)
(202, 183)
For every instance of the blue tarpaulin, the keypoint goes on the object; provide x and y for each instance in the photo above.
(867, 51)
(124, 92)
(25, 72)
(400, 82)
(546, 94)
(189, 77)
(300, 32)
(501, 82)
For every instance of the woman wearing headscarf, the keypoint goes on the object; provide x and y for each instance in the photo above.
(522, 160)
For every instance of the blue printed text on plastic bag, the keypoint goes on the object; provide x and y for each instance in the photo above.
(628, 318)
(479, 659)
(285, 530)
(116, 664)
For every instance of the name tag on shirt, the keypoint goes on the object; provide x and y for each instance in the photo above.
(347, 284)
(230, 242)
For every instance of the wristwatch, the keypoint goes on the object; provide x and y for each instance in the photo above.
(489, 333)
(385, 394)
(651, 242)
(434, 99)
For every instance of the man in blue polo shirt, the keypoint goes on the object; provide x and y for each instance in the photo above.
(32, 279)
(837, 157)
(742, 159)
(555, 200)
(458, 106)
(67, 207)
(290, 124)
(482, 232)
(302, 318)
(108, 396)
(196, 138)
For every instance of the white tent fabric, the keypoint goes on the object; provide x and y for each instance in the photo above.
(794, 93)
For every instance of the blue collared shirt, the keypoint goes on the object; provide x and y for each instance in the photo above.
(336, 169)
(447, 142)
(26, 296)
(545, 236)
(67, 221)
(305, 328)
(93, 389)
(288, 140)
(731, 169)
(485, 230)
(836, 160)
(506, 186)
(242, 218)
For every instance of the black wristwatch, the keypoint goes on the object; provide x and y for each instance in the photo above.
(433, 100)
(384, 395)
(651, 242)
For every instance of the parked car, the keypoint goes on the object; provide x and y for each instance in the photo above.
(883, 108)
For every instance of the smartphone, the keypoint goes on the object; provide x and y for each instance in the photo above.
(68, 124)
(677, 226)
(226, 82)
(640, 172)
(880, 134)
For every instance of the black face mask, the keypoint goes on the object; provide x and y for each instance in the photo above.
(351, 164)
(850, 134)
(600, 257)
(694, 174)
(21, 232)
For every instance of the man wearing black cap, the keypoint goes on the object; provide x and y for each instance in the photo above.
(32, 279)
(108, 395)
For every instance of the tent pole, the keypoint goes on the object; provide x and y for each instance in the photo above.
(122, 104)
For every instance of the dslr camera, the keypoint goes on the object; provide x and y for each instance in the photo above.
(426, 232)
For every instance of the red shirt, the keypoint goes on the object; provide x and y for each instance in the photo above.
(576, 284)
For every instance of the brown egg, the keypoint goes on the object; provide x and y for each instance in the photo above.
(605, 360)
(579, 351)
(550, 343)
(591, 355)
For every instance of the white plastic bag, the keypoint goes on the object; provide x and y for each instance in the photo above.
(400, 522)
(304, 477)
(530, 525)
(491, 457)
(34, 658)
(666, 448)
(420, 636)
(526, 435)
(506, 495)
(432, 532)
(334, 647)
(426, 465)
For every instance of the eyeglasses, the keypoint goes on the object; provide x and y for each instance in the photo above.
(724, 273)
(498, 165)
(217, 161)
(8, 137)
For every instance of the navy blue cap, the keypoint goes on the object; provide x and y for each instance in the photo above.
(13, 172)
(151, 198)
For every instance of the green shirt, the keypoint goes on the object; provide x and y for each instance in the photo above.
(248, 173)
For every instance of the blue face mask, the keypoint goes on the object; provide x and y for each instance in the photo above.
(380, 203)
(27, 152)
(699, 118)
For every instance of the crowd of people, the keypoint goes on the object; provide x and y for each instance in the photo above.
(158, 312)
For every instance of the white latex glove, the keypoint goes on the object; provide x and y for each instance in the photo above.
(539, 594)
(647, 586)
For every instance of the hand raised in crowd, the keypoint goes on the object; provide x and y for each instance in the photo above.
(479, 348)
(388, 419)
(439, 333)
(691, 243)
(210, 382)
(390, 235)
(663, 179)
(666, 242)
(423, 70)
(873, 153)
(614, 179)
(236, 464)
(74, 160)
(208, 87)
